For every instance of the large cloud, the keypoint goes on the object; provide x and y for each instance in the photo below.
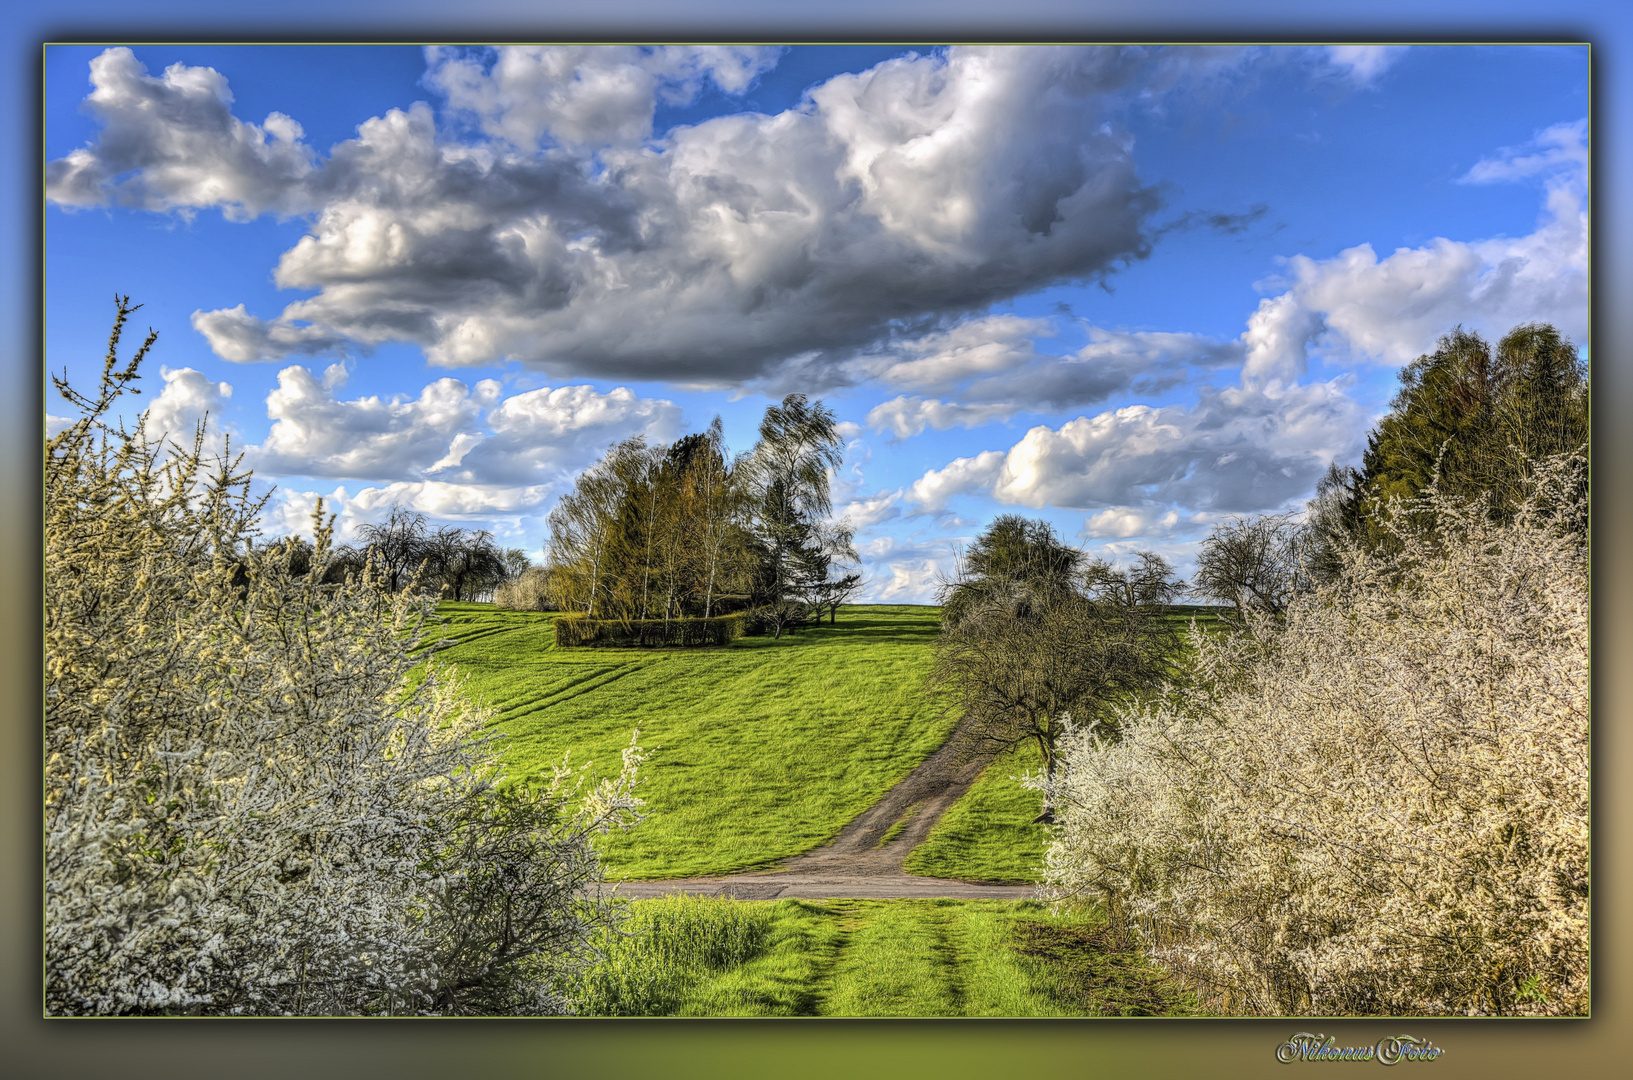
(927, 186)
(170, 142)
(1237, 450)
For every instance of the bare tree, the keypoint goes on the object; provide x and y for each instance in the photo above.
(1254, 563)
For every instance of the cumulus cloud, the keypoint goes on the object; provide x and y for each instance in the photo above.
(189, 398)
(960, 476)
(926, 187)
(585, 95)
(1392, 309)
(451, 435)
(170, 142)
(1238, 449)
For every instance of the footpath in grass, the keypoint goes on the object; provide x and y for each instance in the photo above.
(870, 958)
(988, 834)
(761, 749)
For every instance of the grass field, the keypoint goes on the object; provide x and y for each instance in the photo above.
(988, 835)
(871, 958)
(760, 750)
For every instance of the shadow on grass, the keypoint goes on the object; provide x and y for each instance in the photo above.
(1083, 970)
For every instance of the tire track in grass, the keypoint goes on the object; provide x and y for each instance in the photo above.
(813, 998)
(558, 694)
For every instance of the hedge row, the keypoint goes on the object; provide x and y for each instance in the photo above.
(574, 630)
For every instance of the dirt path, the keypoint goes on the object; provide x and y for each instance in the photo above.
(860, 863)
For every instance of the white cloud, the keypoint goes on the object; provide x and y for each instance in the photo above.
(1562, 148)
(451, 433)
(236, 335)
(904, 417)
(992, 367)
(315, 434)
(960, 476)
(910, 581)
(1394, 308)
(170, 142)
(485, 505)
(1364, 63)
(585, 95)
(1237, 449)
(1122, 522)
(188, 399)
(944, 359)
(864, 513)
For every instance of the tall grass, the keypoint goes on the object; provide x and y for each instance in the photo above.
(665, 948)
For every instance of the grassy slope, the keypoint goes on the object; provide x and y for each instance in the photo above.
(761, 750)
(930, 958)
(988, 835)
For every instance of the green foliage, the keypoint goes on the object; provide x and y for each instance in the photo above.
(1475, 418)
(763, 749)
(1039, 636)
(576, 630)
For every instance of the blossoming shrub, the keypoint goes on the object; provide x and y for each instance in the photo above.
(253, 803)
(1380, 807)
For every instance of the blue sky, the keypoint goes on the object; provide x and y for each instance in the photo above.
(1131, 291)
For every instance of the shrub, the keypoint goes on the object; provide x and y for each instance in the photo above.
(260, 795)
(576, 630)
(529, 591)
(1380, 807)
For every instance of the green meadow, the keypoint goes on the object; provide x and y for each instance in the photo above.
(761, 749)
(691, 956)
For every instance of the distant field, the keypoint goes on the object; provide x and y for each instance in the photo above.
(875, 958)
(761, 749)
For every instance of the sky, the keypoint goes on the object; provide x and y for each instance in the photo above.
(1133, 291)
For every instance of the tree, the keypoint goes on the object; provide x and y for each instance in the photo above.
(1470, 420)
(1254, 563)
(1041, 638)
(467, 565)
(663, 532)
(799, 445)
(262, 795)
(1379, 806)
(397, 545)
